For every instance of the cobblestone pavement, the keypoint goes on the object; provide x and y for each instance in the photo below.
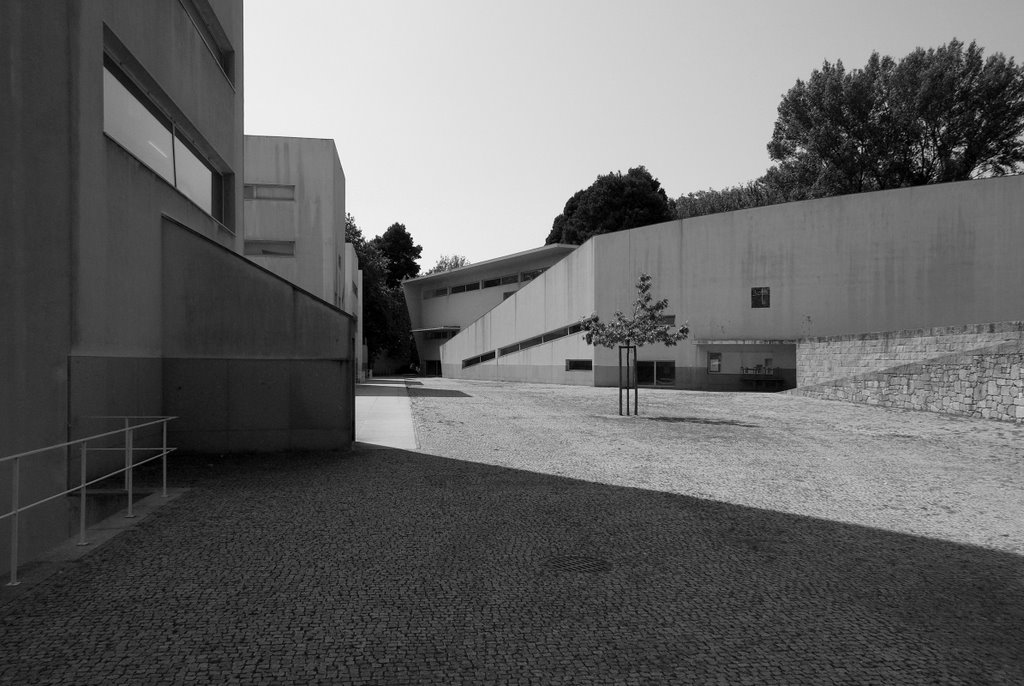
(397, 567)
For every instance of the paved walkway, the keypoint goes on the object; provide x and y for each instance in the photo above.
(391, 566)
(383, 414)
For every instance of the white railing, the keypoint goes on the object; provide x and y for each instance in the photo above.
(129, 449)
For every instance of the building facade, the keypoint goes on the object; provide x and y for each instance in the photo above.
(751, 284)
(125, 290)
(294, 219)
(441, 304)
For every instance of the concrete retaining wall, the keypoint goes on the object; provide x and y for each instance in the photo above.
(973, 371)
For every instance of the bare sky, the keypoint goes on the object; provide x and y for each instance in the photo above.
(473, 121)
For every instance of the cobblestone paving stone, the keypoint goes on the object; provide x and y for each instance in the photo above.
(396, 567)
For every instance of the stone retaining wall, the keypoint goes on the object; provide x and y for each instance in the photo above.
(975, 371)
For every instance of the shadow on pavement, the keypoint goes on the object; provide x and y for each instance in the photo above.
(393, 390)
(392, 566)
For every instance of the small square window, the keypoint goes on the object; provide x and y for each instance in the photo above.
(760, 297)
(579, 365)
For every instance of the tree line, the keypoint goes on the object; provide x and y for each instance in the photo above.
(933, 116)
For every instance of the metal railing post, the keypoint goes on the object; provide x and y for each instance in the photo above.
(163, 449)
(81, 498)
(127, 421)
(15, 478)
(128, 460)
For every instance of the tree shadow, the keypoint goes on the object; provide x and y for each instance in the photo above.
(418, 568)
(700, 420)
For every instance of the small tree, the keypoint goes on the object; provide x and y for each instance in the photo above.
(647, 325)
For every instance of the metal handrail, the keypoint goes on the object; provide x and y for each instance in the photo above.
(129, 465)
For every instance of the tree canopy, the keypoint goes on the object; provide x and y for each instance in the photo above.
(385, 317)
(401, 252)
(646, 326)
(446, 263)
(614, 202)
(936, 115)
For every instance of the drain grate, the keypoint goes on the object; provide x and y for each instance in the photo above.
(588, 565)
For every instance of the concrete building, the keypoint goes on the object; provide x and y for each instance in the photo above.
(441, 304)
(753, 284)
(124, 288)
(294, 220)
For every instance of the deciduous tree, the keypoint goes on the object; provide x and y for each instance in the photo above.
(647, 325)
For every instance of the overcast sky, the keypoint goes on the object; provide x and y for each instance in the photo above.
(473, 121)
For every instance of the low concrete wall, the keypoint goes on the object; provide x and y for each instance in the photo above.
(974, 371)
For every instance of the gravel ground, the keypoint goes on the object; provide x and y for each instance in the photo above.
(952, 478)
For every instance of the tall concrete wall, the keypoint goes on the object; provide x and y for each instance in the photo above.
(35, 261)
(974, 371)
(910, 258)
(264, 366)
(560, 296)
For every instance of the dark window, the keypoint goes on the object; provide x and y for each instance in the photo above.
(478, 359)
(270, 191)
(531, 342)
(507, 294)
(440, 335)
(579, 365)
(555, 335)
(714, 363)
(665, 373)
(491, 283)
(656, 373)
(475, 286)
(760, 297)
(509, 349)
(458, 289)
(270, 248)
(645, 373)
(531, 275)
(511, 278)
(575, 328)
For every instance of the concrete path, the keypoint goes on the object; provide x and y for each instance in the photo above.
(384, 414)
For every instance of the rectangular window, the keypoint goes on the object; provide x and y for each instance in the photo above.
(579, 365)
(491, 283)
(575, 328)
(511, 278)
(531, 275)
(656, 373)
(760, 297)
(152, 138)
(714, 363)
(458, 289)
(555, 335)
(269, 191)
(475, 286)
(270, 248)
(508, 350)
(531, 342)
(478, 359)
(436, 293)
(139, 129)
(645, 373)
